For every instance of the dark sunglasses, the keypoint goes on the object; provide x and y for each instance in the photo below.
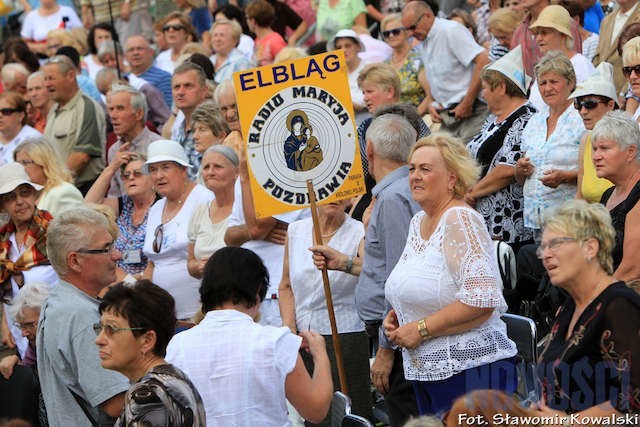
(627, 70)
(136, 174)
(176, 27)
(158, 237)
(589, 104)
(395, 32)
(413, 27)
(8, 111)
(109, 330)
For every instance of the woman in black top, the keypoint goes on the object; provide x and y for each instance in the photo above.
(616, 143)
(589, 363)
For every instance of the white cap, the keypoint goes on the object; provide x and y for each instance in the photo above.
(13, 175)
(512, 67)
(599, 83)
(165, 150)
(344, 34)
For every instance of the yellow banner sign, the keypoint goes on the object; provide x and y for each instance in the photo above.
(297, 120)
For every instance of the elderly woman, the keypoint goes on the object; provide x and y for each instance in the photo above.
(98, 34)
(449, 331)
(209, 220)
(229, 12)
(302, 301)
(631, 70)
(209, 126)
(551, 141)
(413, 80)
(227, 59)
(245, 378)
(13, 127)
(136, 323)
(166, 243)
(502, 24)
(348, 41)
(596, 329)
(595, 97)
(43, 165)
(23, 254)
(131, 210)
(25, 310)
(498, 147)
(616, 156)
(177, 31)
(553, 33)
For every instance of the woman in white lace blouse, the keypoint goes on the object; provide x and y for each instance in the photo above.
(445, 290)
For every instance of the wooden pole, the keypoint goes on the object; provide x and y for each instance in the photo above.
(327, 292)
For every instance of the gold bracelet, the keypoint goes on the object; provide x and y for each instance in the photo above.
(423, 331)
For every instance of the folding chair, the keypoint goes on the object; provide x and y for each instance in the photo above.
(340, 407)
(351, 420)
(522, 331)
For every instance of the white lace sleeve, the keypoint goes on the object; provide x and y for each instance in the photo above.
(470, 259)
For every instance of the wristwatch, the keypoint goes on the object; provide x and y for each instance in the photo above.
(423, 331)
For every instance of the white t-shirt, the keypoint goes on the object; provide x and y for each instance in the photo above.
(35, 26)
(170, 264)
(164, 61)
(6, 150)
(206, 236)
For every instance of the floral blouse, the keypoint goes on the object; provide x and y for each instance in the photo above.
(600, 360)
(131, 239)
(410, 89)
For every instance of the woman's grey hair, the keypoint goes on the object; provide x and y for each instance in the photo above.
(35, 75)
(392, 137)
(225, 151)
(31, 296)
(225, 86)
(556, 62)
(109, 46)
(208, 113)
(69, 231)
(618, 126)
(138, 100)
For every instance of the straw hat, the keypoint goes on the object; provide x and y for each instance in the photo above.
(345, 34)
(13, 175)
(512, 67)
(556, 17)
(165, 150)
(599, 83)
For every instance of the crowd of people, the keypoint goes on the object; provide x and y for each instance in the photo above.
(139, 287)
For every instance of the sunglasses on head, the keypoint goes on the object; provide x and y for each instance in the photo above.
(627, 70)
(8, 111)
(176, 27)
(395, 32)
(589, 104)
(158, 237)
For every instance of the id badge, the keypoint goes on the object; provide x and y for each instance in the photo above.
(132, 256)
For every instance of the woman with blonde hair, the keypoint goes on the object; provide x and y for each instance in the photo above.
(449, 330)
(502, 24)
(177, 31)
(44, 167)
(58, 38)
(631, 71)
(227, 59)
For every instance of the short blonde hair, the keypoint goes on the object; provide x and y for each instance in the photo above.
(504, 19)
(236, 29)
(390, 18)
(631, 51)
(383, 75)
(583, 221)
(289, 54)
(456, 159)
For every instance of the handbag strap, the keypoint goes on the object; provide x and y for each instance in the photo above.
(84, 406)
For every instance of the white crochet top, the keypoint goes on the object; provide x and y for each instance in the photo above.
(456, 263)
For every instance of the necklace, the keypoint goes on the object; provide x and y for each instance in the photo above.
(330, 234)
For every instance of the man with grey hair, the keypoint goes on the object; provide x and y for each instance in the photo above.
(127, 108)
(76, 124)
(14, 77)
(140, 56)
(389, 141)
(77, 391)
(225, 97)
(41, 102)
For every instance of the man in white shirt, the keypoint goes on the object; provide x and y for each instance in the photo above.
(453, 62)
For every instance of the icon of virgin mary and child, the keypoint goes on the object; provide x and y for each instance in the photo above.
(302, 151)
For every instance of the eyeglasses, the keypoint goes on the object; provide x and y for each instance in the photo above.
(553, 245)
(109, 330)
(26, 163)
(395, 32)
(175, 27)
(158, 237)
(23, 326)
(135, 174)
(413, 27)
(9, 111)
(589, 104)
(106, 250)
(628, 70)
(25, 191)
